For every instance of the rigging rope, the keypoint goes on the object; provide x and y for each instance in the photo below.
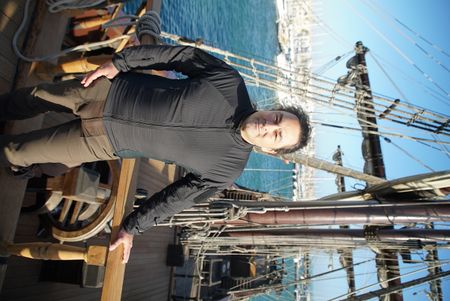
(378, 97)
(289, 186)
(406, 36)
(322, 102)
(279, 70)
(442, 263)
(301, 92)
(55, 6)
(340, 39)
(409, 154)
(444, 147)
(148, 24)
(370, 112)
(403, 55)
(412, 138)
(327, 66)
(429, 90)
(417, 115)
(79, 48)
(286, 285)
(389, 78)
(308, 279)
(417, 34)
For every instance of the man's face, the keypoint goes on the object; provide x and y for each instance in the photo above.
(271, 130)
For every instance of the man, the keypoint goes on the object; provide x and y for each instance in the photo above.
(205, 123)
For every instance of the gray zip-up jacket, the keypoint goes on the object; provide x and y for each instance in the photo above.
(193, 122)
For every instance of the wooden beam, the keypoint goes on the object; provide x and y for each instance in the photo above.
(115, 269)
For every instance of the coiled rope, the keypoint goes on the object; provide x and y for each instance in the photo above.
(148, 24)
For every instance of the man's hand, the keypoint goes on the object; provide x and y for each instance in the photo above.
(107, 69)
(127, 240)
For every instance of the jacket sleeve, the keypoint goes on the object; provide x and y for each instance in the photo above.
(188, 60)
(173, 199)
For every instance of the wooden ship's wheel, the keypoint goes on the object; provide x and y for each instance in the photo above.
(80, 203)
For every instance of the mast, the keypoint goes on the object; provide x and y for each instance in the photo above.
(435, 285)
(345, 255)
(373, 157)
(364, 214)
(374, 234)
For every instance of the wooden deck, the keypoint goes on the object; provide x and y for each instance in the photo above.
(147, 277)
(10, 18)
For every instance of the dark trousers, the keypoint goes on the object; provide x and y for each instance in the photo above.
(71, 143)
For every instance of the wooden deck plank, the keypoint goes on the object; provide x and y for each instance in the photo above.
(13, 10)
(7, 70)
(5, 85)
(6, 49)
(8, 60)
(9, 26)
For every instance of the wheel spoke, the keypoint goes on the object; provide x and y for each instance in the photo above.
(76, 212)
(65, 210)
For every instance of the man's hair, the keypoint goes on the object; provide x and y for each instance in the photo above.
(305, 129)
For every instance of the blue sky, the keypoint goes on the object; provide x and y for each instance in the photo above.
(349, 21)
